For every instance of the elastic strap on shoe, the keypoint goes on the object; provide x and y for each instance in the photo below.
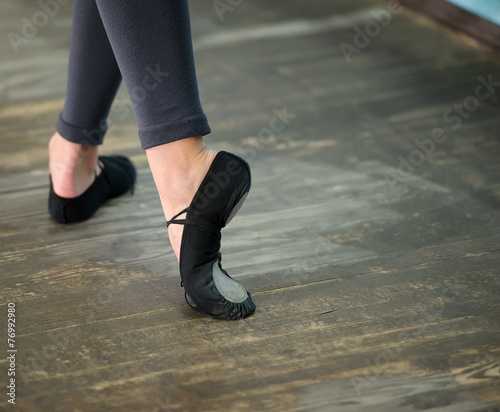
(191, 222)
(178, 221)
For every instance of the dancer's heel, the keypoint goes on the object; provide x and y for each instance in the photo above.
(117, 177)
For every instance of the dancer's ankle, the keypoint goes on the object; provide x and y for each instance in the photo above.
(178, 169)
(73, 167)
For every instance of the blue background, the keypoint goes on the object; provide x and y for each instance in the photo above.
(487, 9)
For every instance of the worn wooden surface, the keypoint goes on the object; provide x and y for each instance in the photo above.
(372, 294)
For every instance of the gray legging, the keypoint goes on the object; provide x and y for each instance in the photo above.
(148, 42)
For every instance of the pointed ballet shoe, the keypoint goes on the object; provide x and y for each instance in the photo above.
(116, 178)
(217, 200)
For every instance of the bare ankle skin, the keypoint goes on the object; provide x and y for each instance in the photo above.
(73, 167)
(178, 169)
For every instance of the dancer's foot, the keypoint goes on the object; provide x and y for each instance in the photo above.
(178, 169)
(200, 191)
(80, 181)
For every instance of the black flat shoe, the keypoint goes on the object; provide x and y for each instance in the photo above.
(217, 200)
(116, 178)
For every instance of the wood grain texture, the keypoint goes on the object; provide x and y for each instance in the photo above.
(372, 294)
(464, 23)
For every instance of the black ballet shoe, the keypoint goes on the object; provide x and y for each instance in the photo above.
(217, 200)
(116, 178)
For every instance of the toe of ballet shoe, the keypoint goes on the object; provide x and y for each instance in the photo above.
(116, 178)
(218, 295)
(234, 311)
(226, 310)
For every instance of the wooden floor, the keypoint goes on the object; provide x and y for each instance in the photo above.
(375, 269)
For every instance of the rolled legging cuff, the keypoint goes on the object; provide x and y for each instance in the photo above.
(159, 134)
(85, 135)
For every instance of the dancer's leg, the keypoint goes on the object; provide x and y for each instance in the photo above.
(152, 44)
(151, 41)
(178, 169)
(93, 79)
